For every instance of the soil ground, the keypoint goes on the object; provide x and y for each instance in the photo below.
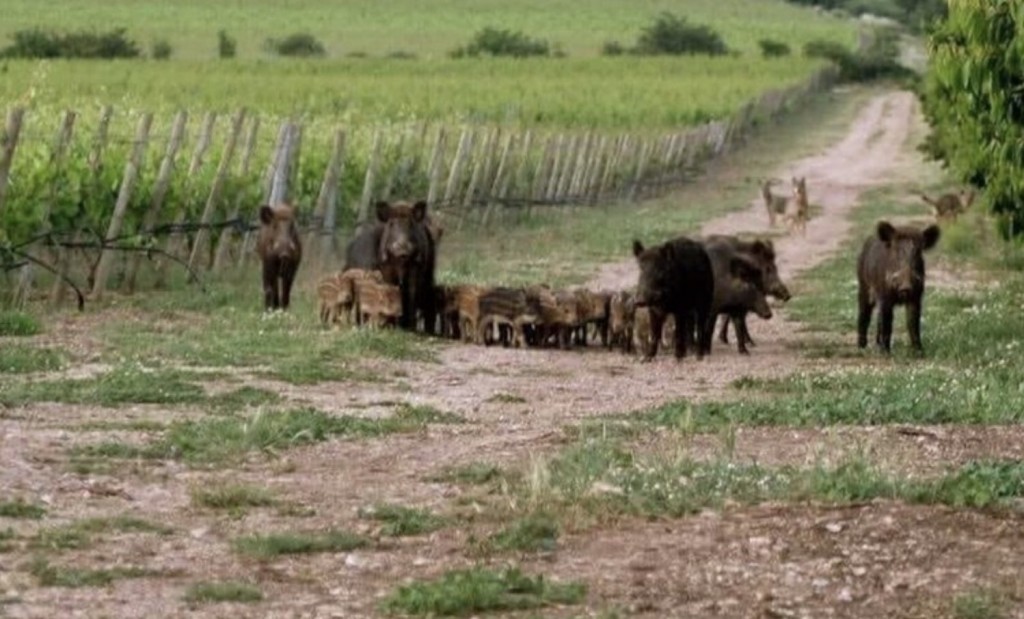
(880, 559)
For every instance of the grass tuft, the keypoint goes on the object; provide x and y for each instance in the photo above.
(54, 576)
(227, 591)
(537, 532)
(20, 324)
(232, 496)
(79, 534)
(20, 509)
(402, 521)
(479, 590)
(473, 474)
(277, 544)
(17, 359)
(979, 604)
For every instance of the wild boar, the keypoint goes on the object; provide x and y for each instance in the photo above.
(620, 321)
(280, 251)
(376, 303)
(676, 278)
(890, 272)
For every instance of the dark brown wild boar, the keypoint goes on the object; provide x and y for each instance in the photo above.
(676, 278)
(890, 272)
(401, 244)
(280, 251)
(761, 252)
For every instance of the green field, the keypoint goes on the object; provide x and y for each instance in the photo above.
(424, 28)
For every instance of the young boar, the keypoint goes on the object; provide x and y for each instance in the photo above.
(377, 304)
(890, 272)
(593, 308)
(676, 278)
(336, 294)
(620, 321)
(504, 307)
(280, 251)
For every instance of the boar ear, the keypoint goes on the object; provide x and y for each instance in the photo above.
(383, 211)
(885, 231)
(266, 214)
(638, 248)
(419, 210)
(744, 269)
(931, 236)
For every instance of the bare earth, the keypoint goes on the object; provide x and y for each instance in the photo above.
(873, 560)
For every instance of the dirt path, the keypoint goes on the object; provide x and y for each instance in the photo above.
(517, 401)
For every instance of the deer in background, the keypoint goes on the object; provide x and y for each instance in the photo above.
(950, 205)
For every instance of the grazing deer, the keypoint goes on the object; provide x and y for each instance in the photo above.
(801, 212)
(950, 205)
(776, 205)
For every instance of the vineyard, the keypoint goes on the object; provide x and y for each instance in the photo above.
(89, 191)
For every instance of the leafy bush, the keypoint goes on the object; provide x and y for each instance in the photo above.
(38, 43)
(613, 48)
(773, 49)
(878, 60)
(162, 50)
(301, 44)
(673, 35)
(227, 47)
(494, 42)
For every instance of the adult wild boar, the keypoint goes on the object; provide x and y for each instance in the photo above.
(890, 272)
(723, 249)
(676, 278)
(402, 246)
(280, 250)
(739, 288)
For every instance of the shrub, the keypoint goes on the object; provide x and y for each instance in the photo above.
(613, 48)
(302, 44)
(401, 55)
(227, 47)
(162, 50)
(671, 34)
(495, 42)
(38, 43)
(773, 49)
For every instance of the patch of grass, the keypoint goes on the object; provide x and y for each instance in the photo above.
(473, 474)
(54, 576)
(506, 398)
(277, 544)
(6, 535)
(79, 534)
(134, 425)
(400, 521)
(15, 323)
(479, 590)
(536, 532)
(227, 591)
(241, 399)
(601, 479)
(979, 604)
(232, 496)
(18, 359)
(126, 384)
(226, 438)
(20, 509)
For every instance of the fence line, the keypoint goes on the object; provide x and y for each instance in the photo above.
(207, 211)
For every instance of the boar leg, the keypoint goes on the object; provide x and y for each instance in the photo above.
(684, 332)
(706, 331)
(723, 333)
(270, 300)
(408, 290)
(865, 309)
(885, 315)
(740, 322)
(914, 326)
(288, 270)
(657, 323)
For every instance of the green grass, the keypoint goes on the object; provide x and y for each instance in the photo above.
(507, 398)
(479, 590)
(400, 521)
(125, 384)
(979, 604)
(597, 479)
(16, 359)
(221, 439)
(132, 425)
(18, 508)
(80, 534)
(405, 25)
(292, 348)
(232, 496)
(473, 474)
(536, 532)
(15, 323)
(54, 576)
(274, 545)
(227, 591)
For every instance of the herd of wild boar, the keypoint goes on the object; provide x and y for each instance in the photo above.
(684, 286)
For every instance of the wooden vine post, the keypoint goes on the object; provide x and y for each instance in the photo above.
(131, 172)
